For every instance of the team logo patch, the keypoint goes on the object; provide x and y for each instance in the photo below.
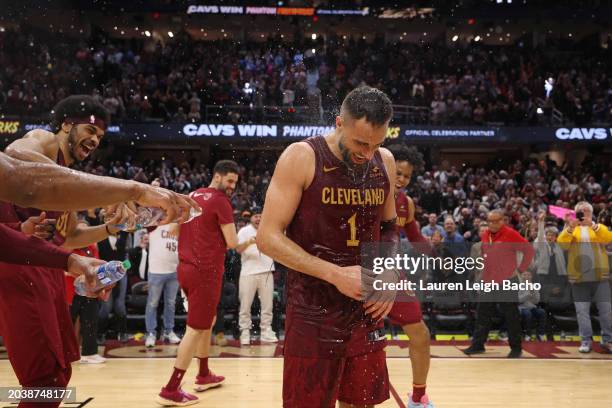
(376, 172)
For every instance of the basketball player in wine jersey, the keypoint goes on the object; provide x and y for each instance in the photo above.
(41, 354)
(331, 194)
(407, 312)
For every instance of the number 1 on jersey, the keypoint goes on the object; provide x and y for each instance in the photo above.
(353, 242)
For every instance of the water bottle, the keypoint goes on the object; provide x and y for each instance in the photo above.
(107, 274)
(152, 216)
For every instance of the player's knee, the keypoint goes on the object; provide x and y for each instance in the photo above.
(418, 333)
(196, 330)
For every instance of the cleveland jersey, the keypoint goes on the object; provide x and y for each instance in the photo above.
(12, 213)
(339, 212)
(30, 295)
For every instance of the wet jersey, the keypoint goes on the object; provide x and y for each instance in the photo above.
(33, 299)
(339, 212)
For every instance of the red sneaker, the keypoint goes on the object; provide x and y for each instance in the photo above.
(202, 383)
(178, 398)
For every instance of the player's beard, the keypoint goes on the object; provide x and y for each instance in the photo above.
(346, 156)
(72, 143)
(225, 190)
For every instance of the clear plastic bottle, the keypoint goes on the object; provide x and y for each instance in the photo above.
(107, 273)
(152, 216)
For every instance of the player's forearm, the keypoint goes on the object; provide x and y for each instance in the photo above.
(51, 187)
(282, 249)
(88, 191)
(17, 248)
(418, 241)
(83, 236)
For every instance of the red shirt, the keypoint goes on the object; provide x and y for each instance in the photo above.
(201, 243)
(500, 252)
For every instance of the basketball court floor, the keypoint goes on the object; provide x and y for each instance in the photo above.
(551, 375)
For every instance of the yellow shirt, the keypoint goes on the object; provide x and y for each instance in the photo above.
(582, 244)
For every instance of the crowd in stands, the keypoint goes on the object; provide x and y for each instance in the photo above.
(141, 80)
(521, 189)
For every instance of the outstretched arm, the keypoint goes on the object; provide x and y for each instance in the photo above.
(18, 248)
(52, 187)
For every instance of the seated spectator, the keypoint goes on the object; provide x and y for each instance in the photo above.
(432, 226)
(531, 314)
(452, 239)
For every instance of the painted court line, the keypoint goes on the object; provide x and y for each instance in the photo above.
(397, 397)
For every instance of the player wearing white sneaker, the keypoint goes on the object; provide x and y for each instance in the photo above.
(256, 276)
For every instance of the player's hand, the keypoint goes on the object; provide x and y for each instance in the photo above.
(378, 302)
(378, 310)
(348, 281)
(39, 226)
(82, 265)
(104, 293)
(177, 206)
(119, 216)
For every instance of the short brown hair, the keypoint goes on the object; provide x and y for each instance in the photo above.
(223, 167)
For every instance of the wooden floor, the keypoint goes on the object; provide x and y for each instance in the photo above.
(256, 383)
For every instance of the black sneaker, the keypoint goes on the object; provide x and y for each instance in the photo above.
(123, 337)
(473, 350)
(515, 353)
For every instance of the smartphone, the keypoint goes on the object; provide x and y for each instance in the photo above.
(580, 215)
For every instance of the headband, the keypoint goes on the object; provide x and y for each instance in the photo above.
(91, 120)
